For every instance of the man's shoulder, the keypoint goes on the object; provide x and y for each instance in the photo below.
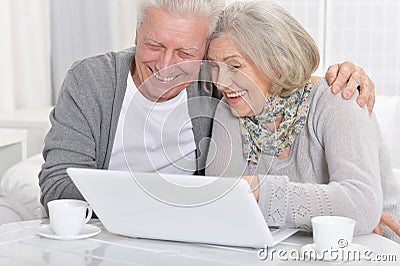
(103, 64)
(99, 78)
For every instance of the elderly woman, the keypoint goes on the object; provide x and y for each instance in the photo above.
(310, 152)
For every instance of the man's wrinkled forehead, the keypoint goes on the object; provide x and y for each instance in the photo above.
(162, 28)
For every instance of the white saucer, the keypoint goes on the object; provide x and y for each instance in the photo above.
(343, 254)
(87, 231)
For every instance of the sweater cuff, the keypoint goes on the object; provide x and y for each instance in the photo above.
(273, 199)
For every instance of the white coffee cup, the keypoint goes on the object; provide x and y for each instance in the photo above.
(68, 216)
(332, 232)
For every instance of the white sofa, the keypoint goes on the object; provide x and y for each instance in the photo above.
(387, 110)
(20, 193)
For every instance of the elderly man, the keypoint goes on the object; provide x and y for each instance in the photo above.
(100, 96)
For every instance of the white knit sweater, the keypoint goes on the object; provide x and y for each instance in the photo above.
(338, 165)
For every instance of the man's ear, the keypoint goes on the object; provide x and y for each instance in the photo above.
(136, 39)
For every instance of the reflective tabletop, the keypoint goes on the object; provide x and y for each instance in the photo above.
(20, 245)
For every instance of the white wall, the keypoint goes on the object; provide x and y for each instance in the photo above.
(366, 32)
(41, 38)
(85, 28)
(25, 70)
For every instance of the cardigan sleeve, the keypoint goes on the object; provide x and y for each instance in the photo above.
(69, 143)
(83, 121)
(350, 140)
(350, 143)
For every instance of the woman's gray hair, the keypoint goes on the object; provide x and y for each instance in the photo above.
(279, 46)
(209, 9)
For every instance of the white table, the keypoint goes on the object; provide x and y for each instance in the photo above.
(19, 245)
(12, 148)
(34, 121)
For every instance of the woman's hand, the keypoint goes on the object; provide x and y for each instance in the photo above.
(388, 221)
(254, 184)
(337, 75)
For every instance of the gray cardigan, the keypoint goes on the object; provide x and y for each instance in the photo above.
(85, 118)
(338, 165)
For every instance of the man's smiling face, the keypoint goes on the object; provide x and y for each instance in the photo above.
(168, 50)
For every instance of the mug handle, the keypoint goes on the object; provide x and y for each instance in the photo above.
(89, 215)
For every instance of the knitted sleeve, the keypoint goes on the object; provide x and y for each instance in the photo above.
(349, 140)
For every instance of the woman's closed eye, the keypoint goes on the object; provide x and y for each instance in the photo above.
(234, 67)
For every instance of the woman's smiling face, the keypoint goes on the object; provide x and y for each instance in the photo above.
(243, 85)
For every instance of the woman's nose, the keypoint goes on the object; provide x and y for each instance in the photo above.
(224, 79)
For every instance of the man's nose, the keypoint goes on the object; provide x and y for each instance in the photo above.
(165, 61)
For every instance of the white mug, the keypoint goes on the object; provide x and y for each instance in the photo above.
(332, 232)
(68, 216)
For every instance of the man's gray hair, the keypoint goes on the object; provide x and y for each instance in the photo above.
(208, 9)
(279, 46)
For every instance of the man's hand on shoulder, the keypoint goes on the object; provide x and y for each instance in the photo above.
(356, 78)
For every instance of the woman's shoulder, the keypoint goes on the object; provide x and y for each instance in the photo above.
(324, 101)
(331, 112)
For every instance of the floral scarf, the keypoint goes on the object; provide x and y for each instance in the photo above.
(257, 138)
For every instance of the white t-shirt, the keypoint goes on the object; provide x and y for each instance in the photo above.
(153, 136)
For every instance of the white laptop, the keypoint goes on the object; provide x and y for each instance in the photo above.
(210, 210)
